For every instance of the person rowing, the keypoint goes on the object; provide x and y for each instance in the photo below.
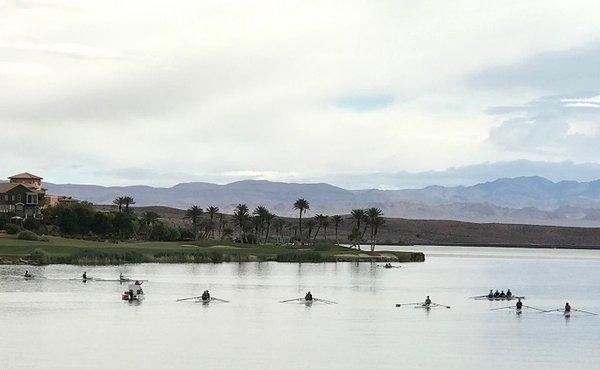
(206, 296)
(27, 274)
(519, 304)
(502, 294)
(84, 276)
(308, 297)
(388, 265)
(427, 302)
(121, 277)
(496, 293)
(567, 307)
(491, 294)
(508, 293)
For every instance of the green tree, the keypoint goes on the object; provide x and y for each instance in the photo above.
(322, 221)
(302, 206)
(241, 218)
(358, 217)
(124, 225)
(119, 201)
(102, 225)
(374, 220)
(194, 213)
(337, 220)
(212, 212)
(127, 201)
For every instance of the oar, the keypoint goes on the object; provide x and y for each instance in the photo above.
(407, 304)
(188, 298)
(554, 310)
(501, 308)
(534, 308)
(440, 305)
(589, 313)
(219, 299)
(290, 300)
(478, 296)
(324, 301)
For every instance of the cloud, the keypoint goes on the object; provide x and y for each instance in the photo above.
(552, 127)
(365, 102)
(557, 72)
(271, 89)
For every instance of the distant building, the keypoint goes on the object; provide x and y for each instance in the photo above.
(53, 200)
(23, 196)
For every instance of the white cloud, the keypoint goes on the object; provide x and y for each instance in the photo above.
(249, 89)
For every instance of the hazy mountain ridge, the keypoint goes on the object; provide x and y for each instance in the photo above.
(531, 199)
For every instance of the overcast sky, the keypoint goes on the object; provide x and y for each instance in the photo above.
(155, 92)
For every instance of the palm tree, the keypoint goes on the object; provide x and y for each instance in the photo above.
(278, 225)
(194, 213)
(301, 205)
(261, 214)
(149, 218)
(321, 220)
(374, 220)
(337, 220)
(212, 211)
(240, 216)
(268, 219)
(325, 225)
(127, 201)
(358, 216)
(310, 224)
(119, 201)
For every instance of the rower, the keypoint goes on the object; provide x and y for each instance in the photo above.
(206, 296)
(502, 294)
(491, 294)
(27, 274)
(519, 304)
(84, 276)
(496, 293)
(508, 293)
(308, 297)
(121, 276)
(567, 307)
(427, 301)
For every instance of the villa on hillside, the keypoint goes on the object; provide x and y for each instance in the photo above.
(24, 196)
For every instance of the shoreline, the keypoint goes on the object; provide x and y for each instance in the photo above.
(497, 245)
(59, 250)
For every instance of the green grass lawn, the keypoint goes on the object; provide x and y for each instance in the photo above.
(10, 246)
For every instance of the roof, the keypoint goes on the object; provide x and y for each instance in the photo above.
(26, 175)
(5, 187)
(8, 186)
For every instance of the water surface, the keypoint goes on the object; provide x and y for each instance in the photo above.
(60, 323)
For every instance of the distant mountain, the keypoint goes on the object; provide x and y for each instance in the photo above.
(531, 199)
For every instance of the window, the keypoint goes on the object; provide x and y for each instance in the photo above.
(18, 197)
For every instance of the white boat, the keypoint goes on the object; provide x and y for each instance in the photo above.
(134, 293)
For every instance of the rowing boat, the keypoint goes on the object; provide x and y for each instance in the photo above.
(486, 298)
(308, 302)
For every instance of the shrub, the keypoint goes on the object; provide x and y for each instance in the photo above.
(39, 257)
(28, 235)
(304, 256)
(12, 229)
(31, 224)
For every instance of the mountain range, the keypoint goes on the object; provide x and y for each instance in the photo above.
(528, 200)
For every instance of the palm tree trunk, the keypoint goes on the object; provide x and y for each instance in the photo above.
(300, 228)
(316, 233)
(337, 241)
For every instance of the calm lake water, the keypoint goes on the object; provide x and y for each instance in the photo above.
(60, 323)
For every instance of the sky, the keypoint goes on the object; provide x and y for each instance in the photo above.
(362, 94)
